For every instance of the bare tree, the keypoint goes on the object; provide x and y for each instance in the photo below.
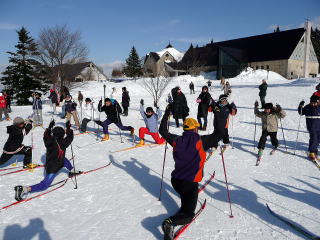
(156, 87)
(58, 46)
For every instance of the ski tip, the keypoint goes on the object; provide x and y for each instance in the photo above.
(204, 204)
(231, 216)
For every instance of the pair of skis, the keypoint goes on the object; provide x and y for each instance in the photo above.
(17, 171)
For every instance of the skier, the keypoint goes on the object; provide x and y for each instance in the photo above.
(189, 156)
(37, 109)
(89, 114)
(180, 106)
(227, 89)
(8, 100)
(14, 145)
(312, 113)
(125, 101)
(3, 108)
(80, 98)
(191, 87)
(209, 85)
(54, 99)
(222, 111)
(64, 92)
(112, 109)
(151, 120)
(263, 92)
(71, 110)
(203, 100)
(56, 145)
(269, 118)
(317, 93)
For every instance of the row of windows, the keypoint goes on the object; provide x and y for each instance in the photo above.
(262, 67)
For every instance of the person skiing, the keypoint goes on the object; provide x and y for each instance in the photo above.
(204, 101)
(222, 111)
(180, 106)
(3, 108)
(312, 113)
(54, 99)
(14, 146)
(125, 101)
(263, 92)
(191, 87)
(151, 120)
(8, 100)
(71, 110)
(317, 93)
(227, 89)
(269, 118)
(56, 145)
(80, 98)
(64, 92)
(189, 154)
(89, 114)
(113, 110)
(37, 109)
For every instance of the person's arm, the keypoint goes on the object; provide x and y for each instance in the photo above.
(163, 130)
(143, 115)
(28, 126)
(233, 109)
(100, 106)
(159, 113)
(280, 112)
(69, 138)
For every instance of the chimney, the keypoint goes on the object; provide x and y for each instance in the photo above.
(307, 37)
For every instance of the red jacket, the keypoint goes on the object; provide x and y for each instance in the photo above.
(3, 102)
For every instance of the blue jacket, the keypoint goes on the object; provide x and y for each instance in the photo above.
(37, 103)
(70, 106)
(151, 122)
(312, 117)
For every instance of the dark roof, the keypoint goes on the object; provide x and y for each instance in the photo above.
(169, 45)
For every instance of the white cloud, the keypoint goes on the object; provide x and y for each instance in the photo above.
(8, 26)
(107, 67)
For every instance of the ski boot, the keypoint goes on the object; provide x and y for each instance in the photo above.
(168, 229)
(273, 151)
(74, 173)
(105, 137)
(21, 193)
(131, 131)
(312, 156)
(260, 152)
(30, 165)
(141, 143)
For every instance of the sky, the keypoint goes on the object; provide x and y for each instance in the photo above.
(111, 28)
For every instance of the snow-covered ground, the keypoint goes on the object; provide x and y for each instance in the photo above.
(121, 201)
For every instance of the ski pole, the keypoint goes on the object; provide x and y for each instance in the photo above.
(255, 130)
(295, 148)
(226, 180)
(284, 139)
(98, 124)
(74, 169)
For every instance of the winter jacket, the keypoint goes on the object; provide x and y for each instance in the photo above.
(180, 105)
(263, 89)
(80, 97)
(151, 122)
(312, 117)
(70, 106)
(125, 99)
(113, 111)
(90, 111)
(317, 93)
(3, 102)
(221, 114)
(226, 89)
(203, 106)
(56, 150)
(188, 152)
(36, 103)
(54, 97)
(191, 86)
(269, 120)
(16, 136)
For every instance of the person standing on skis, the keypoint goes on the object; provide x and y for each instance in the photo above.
(191, 87)
(54, 99)
(56, 145)
(37, 109)
(263, 92)
(90, 113)
(112, 109)
(180, 107)
(125, 101)
(204, 101)
(71, 110)
(269, 118)
(312, 113)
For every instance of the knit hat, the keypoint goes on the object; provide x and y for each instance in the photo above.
(88, 100)
(314, 99)
(124, 89)
(107, 100)
(58, 132)
(204, 87)
(223, 97)
(149, 109)
(268, 106)
(18, 121)
(190, 124)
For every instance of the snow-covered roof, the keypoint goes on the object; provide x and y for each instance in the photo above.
(174, 52)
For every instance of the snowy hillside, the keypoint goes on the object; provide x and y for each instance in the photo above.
(121, 201)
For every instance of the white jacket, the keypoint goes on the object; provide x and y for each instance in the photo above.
(90, 111)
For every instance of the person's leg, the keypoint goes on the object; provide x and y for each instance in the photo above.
(75, 118)
(205, 121)
(84, 124)
(126, 128)
(105, 125)
(27, 152)
(35, 117)
(313, 142)
(226, 137)
(263, 140)
(142, 132)
(5, 110)
(262, 100)
(156, 137)
(1, 109)
(68, 116)
(67, 164)
(40, 117)
(44, 184)
(199, 121)
(5, 158)
(274, 140)
(177, 122)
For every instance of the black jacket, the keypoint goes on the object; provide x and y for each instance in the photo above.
(16, 136)
(221, 115)
(54, 97)
(112, 111)
(70, 106)
(180, 105)
(204, 104)
(54, 160)
(263, 89)
(125, 99)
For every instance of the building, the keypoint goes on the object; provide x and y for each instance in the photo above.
(289, 53)
(155, 62)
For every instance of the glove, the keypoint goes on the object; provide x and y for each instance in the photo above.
(256, 104)
(302, 103)
(278, 108)
(198, 100)
(142, 102)
(68, 125)
(51, 125)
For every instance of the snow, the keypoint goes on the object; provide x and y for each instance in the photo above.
(174, 52)
(121, 201)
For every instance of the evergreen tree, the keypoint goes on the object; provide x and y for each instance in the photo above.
(315, 39)
(25, 74)
(133, 64)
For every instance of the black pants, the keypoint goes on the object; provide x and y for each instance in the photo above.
(219, 135)
(84, 124)
(177, 121)
(188, 192)
(191, 91)
(262, 100)
(225, 138)
(263, 139)
(125, 111)
(26, 151)
(205, 121)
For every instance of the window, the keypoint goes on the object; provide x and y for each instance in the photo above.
(257, 67)
(268, 67)
(167, 55)
(262, 67)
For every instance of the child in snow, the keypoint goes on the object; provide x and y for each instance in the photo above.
(203, 100)
(14, 145)
(189, 156)
(112, 109)
(89, 114)
(3, 107)
(37, 109)
(269, 118)
(312, 113)
(71, 110)
(56, 145)
(151, 119)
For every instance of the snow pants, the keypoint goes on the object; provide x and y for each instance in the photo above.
(262, 100)
(219, 135)
(75, 117)
(107, 122)
(125, 110)
(37, 116)
(5, 111)
(314, 141)
(156, 137)
(84, 124)
(263, 139)
(225, 138)
(205, 121)
(177, 121)
(48, 179)
(26, 151)
(188, 192)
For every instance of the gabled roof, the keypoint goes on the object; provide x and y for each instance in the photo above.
(154, 55)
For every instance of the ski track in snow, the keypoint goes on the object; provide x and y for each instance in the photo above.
(121, 201)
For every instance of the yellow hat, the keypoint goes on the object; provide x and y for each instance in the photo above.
(190, 123)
